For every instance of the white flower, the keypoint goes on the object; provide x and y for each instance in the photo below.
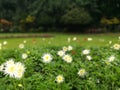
(59, 79)
(89, 39)
(5, 42)
(21, 46)
(10, 69)
(15, 70)
(74, 38)
(85, 52)
(82, 72)
(116, 46)
(89, 57)
(65, 48)
(61, 53)
(47, 58)
(24, 56)
(70, 48)
(110, 42)
(111, 58)
(1, 67)
(67, 58)
(9, 62)
(19, 70)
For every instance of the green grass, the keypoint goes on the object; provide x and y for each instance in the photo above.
(61, 39)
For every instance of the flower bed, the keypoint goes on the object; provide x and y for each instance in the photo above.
(57, 68)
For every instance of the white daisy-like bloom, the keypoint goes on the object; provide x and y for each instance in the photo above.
(47, 58)
(67, 58)
(74, 38)
(116, 46)
(10, 69)
(2, 67)
(89, 39)
(9, 62)
(60, 79)
(5, 42)
(24, 41)
(69, 39)
(21, 46)
(86, 52)
(19, 70)
(89, 57)
(111, 58)
(70, 48)
(82, 72)
(14, 70)
(65, 48)
(61, 53)
(24, 56)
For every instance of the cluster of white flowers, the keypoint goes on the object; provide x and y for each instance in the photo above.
(68, 48)
(14, 70)
(67, 58)
(62, 53)
(87, 52)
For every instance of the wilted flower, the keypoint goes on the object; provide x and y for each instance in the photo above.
(21, 46)
(24, 56)
(67, 58)
(47, 58)
(85, 52)
(82, 72)
(89, 57)
(59, 79)
(116, 46)
(70, 48)
(61, 53)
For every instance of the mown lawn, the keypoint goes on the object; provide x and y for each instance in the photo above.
(62, 39)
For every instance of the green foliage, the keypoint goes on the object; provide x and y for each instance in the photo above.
(39, 75)
(77, 16)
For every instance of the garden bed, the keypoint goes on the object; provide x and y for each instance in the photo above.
(77, 72)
